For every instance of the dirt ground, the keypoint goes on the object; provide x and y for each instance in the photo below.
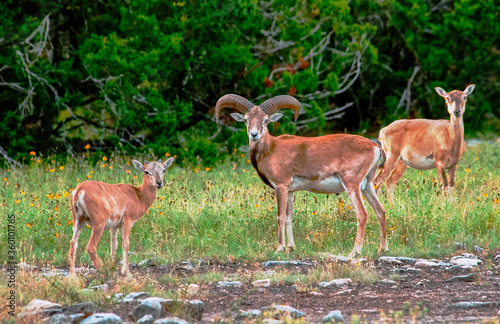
(423, 296)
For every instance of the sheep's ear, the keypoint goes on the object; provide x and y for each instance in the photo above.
(238, 117)
(469, 89)
(138, 165)
(440, 91)
(168, 163)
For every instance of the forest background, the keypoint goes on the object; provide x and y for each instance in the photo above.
(132, 76)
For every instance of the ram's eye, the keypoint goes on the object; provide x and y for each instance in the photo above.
(147, 172)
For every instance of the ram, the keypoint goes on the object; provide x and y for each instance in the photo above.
(113, 206)
(326, 164)
(425, 144)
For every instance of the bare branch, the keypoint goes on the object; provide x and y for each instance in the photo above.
(8, 159)
(58, 99)
(42, 45)
(329, 115)
(406, 96)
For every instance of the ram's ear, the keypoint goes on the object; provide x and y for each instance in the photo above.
(275, 117)
(168, 163)
(138, 165)
(238, 117)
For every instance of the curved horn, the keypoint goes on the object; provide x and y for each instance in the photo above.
(232, 101)
(274, 104)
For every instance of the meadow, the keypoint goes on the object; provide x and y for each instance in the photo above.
(227, 213)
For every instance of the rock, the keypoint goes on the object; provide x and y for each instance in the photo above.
(81, 308)
(387, 281)
(251, 314)
(406, 270)
(148, 263)
(335, 282)
(389, 260)
(280, 311)
(422, 263)
(229, 284)
(464, 261)
(333, 317)
(271, 321)
(37, 315)
(38, 304)
(344, 260)
(149, 306)
(261, 283)
(76, 318)
(170, 320)
(460, 246)
(455, 269)
(405, 260)
(158, 307)
(59, 319)
(290, 263)
(466, 278)
(102, 318)
(469, 305)
(497, 258)
(146, 319)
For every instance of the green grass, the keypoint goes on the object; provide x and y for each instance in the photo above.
(227, 213)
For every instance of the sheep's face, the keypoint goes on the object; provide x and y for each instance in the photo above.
(256, 121)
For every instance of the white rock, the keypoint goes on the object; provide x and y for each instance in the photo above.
(390, 260)
(102, 318)
(38, 304)
(229, 284)
(464, 262)
(333, 317)
(336, 282)
(170, 320)
(262, 283)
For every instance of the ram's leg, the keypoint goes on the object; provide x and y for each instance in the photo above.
(289, 213)
(282, 198)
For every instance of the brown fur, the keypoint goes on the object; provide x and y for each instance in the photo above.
(425, 144)
(112, 206)
(292, 163)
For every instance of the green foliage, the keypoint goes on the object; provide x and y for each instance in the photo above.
(138, 76)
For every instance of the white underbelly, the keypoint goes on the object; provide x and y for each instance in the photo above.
(328, 185)
(112, 224)
(418, 162)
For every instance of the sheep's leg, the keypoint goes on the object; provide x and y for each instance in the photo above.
(97, 231)
(73, 246)
(371, 197)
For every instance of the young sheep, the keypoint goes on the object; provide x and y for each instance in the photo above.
(113, 206)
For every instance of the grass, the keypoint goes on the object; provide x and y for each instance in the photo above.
(227, 213)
